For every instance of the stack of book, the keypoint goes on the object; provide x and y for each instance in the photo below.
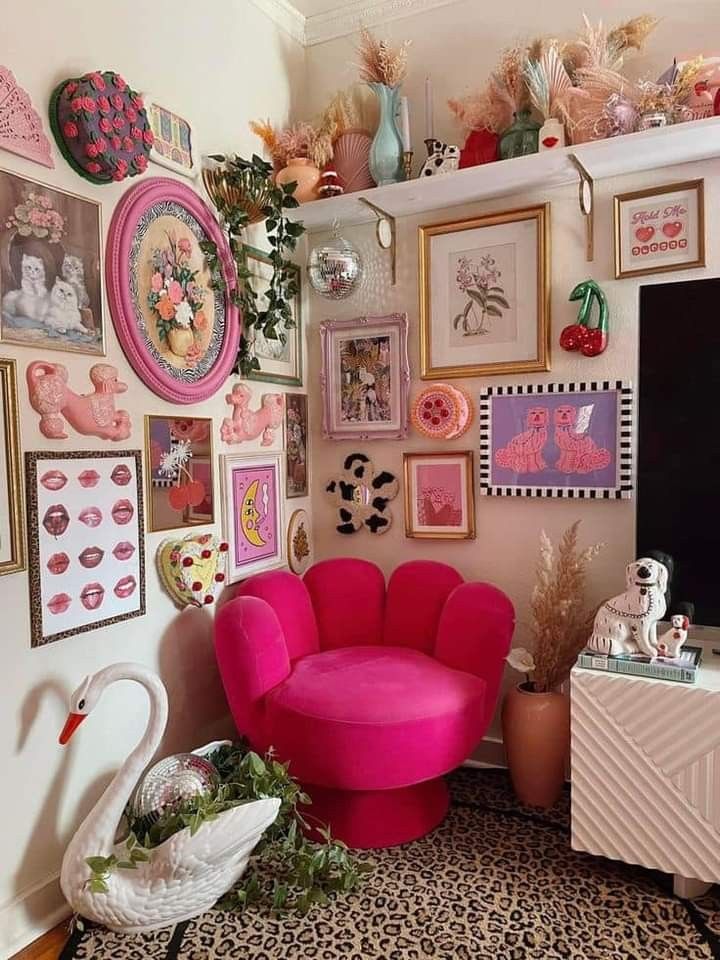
(683, 669)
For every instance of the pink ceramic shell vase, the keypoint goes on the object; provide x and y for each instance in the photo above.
(351, 153)
(303, 172)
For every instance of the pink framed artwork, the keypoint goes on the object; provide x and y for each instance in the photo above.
(252, 513)
(365, 378)
(439, 495)
(180, 482)
(178, 327)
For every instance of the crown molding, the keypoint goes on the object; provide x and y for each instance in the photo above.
(353, 14)
(344, 20)
(286, 16)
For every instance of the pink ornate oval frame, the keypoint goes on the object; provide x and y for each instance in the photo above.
(134, 215)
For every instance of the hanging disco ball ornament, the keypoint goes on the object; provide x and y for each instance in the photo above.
(335, 268)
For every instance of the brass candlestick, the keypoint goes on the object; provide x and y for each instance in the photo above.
(407, 164)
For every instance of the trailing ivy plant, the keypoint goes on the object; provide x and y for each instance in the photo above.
(287, 872)
(253, 178)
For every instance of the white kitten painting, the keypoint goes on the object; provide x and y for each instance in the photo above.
(50, 285)
(31, 299)
(73, 271)
(62, 313)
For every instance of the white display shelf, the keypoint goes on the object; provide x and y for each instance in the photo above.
(649, 150)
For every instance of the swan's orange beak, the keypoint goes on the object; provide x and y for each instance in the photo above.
(71, 724)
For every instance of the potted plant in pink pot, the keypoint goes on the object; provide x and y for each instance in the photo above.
(299, 153)
(535, 714)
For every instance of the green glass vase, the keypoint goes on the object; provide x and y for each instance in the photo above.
(521, 138)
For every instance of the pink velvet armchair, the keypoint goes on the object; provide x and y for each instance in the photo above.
(371, 694)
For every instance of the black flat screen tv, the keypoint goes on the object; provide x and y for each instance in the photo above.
(678, 472)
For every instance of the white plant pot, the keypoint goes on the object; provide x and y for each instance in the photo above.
(552, 135)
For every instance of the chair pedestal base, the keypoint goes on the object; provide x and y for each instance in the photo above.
(380, 818)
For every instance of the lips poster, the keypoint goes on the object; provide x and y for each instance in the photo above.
(659, 230)
(85, 523)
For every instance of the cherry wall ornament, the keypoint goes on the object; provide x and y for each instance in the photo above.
(442, 412)
(247, 424)
(21, 129)
(91, 414)
(176, 320)
(589, 336)
(192, 568)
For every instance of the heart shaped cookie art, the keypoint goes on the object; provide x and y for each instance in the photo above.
(191, 568)
(644, 234)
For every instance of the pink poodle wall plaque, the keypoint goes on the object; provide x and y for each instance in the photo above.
(85, 531)
(557, 440)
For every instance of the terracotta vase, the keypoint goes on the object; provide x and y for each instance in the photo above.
(536, 734)
(180, 340)
(307, 176)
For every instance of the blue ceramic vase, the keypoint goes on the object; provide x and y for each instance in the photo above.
(386, 152)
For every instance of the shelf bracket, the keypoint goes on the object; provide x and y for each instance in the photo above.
(586, 198)
(385, 233)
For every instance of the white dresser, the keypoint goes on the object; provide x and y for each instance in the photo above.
(645, 757)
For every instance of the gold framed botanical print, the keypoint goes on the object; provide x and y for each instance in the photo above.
(660, 229)
(485, 295)
(12, 526)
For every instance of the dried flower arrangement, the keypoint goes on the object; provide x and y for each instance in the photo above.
(349, 111)
(561, 624)
(549, 84)
(298, 140)
(380, 62)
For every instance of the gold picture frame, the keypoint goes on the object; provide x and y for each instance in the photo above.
(524, 254)
(448, 511)
(659, 231)
(12, 508)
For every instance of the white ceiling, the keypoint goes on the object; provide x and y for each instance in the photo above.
(311, 8)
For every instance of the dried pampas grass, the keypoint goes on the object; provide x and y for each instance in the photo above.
(299, 140)
(481, 111)
(632, 34)
(507, 83)
(561, 624)
(380, 62)
(353, 109)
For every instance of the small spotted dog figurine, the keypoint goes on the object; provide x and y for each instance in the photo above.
(442, 158)
(671, 642)
(628, 623)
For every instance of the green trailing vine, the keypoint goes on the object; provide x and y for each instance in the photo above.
(287, 872)
(270, 315)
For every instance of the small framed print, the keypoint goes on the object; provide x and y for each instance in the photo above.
(12, 523)
(439, 495)
(485, 295)
(660, 229)
(180, 483)
(365, 378)
(281, 358)
(174, 146)
(557, 440)
(252, 513)
(296, 445)
(86, 539)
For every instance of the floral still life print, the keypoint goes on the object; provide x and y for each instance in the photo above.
(365, 380)
(49, 268)
(484, 300)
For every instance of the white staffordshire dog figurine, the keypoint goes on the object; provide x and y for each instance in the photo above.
(671, 642)
(628, 623)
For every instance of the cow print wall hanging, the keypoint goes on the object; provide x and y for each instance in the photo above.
(362, 494)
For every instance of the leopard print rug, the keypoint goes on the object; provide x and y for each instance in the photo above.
(496, 881)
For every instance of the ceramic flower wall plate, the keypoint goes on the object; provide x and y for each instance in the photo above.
(179, 330)
(442, 412)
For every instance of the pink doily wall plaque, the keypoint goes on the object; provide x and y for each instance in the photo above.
(21, 129)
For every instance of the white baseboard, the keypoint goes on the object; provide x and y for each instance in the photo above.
(31, 914)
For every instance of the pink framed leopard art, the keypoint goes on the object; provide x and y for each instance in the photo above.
(175, 321)
(558, 440)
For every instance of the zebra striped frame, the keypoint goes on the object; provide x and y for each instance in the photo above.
(624, 453)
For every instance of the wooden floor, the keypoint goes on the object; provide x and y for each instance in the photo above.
(47, 947)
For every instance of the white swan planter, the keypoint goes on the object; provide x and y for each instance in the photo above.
(185, 875)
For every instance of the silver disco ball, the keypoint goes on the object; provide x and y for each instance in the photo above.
(335, 269)
(172, 780)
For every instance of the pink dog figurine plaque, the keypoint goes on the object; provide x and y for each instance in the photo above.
(247, 424)
(92, 414)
